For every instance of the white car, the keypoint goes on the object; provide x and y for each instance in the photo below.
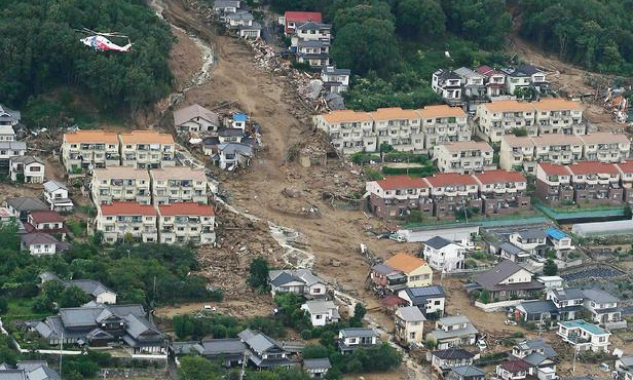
(208, 308)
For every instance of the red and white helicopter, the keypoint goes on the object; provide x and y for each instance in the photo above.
(99, 42)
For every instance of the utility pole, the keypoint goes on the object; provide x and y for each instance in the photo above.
(244, 360)
(61, 356)
(573, 366)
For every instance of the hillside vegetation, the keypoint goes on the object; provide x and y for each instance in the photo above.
(40, 51)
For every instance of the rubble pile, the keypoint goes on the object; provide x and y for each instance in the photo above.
(618, 104)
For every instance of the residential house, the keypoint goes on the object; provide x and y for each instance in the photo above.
(541, 357)
(21, 207)
(225, 7)
(514, 369)
(229, 352)
(444, 255)
(442, 124)
(56, 195)
(314, 52)
(399, 128)
(48, 222)
(264, 352)
(231, 135)
(293, 19)
(513, 253)
(553, 184)
(530, 240)
(196, 118)
(397, 196)
(466, 372)
(429, 299)
(443, 361)
(386, 280)
(596, 183)
(502, 117)
(335, 81)
(121, 219)
(179, 184)
(464, 157)
(494, 80)
(238, 121)
(624, 366)
(317, 368)
(551, 282)
(9, 118)
(99, 293)
(524, 76)
(503, 192)
(507, 280)
(321, 312)
(569, 302)
(626, 176)
(473, 83)
(145, 149)
(244, 24)
(453, 331)
(539, 312)
(89, 150)
(231, 156)
(186, 222)
(448, 85)
(6, 215)
(409, 324)
(97, 325)
(300, 281)
(532, 346)
(37, 244)
(560, 241)
(311, 31)
(583, 335)
(28, 370)
(454, 194)
(27, 169)
(120, 184)
(417, 271)
(10, 149)
(7, 134)
(352, 338)
(603, 307)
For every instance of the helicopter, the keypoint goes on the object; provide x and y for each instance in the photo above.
(99, 41)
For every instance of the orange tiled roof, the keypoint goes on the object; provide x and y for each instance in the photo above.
(127, 208)
(605, 138)
(91, 137)
(146, 137)
(553, 169)
(451, 179)
(558, 104)
(396, 182)
(393, 113)
(346, 116)
(405, 263)
(626, 166)
(430, 112)
(508, 106)
(499, 176)
(46, 217)
(460, 146)
(592, 167)
(186, 208)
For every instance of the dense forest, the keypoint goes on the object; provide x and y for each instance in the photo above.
(597, 34)
(40, 51)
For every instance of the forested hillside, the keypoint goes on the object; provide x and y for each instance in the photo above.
(40, 51)
(597, 34)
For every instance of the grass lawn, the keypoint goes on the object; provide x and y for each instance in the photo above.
(22, 308)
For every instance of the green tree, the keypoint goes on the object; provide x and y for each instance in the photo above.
(359, 314)
(198, 368)
(258, 270)
(550, 268)
(360, 13)
(73, 296)
(420, 19)
(315, 351)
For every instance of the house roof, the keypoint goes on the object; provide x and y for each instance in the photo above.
(447, 74)
(186, 209)
(508, 106)
(321, 363)
(553, 169)
(605, 138)
(221, 346)
(556, 139)
(468, 371)
(599, 296)
(555, 233)
(497, 274)
(537, 344)
(453, 353)
(335, 71)
(26, 204)
(240, 15)
(451, 179)
(319, 307)
(535, 358)
(519, 142)
(537, 307)
(46, 217)
(7, 114)
(311, 25)
(514, 366)
(454, 319)
(438, 242)
(589, 327)
(410, 314)
(532, 233)
(469, 330)
(120, 172)
(569, 294)
(91, 287)
(358, 332)
(226, 3)
(146, 137)
(499, 176)
(592, 167)
(487, 71)
(393, 113)
(236, 148)
(441, 111)
(398, 182)
(51, 186)
(91, 136)
(284, 278)
(528, 69)
(465, 72)
(405, 263)
(557, 104)
(626, 166)
(14, 145)
(346, 116)
(26, 160)
(127, 208)
(178, 173)
(420, 294)
(231, 132)
(293, 16)
(186, 114)
(460, 146)
(511, 249)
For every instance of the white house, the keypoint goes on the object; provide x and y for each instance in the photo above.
(196, 118)
(444, 360)
(99, 292)
(7, 133)
(56, 195)
(444, 255)
(453, 331)
(516, 369)
(449, 85)
(335, 80)
(225, 7)
(30, 168)
(321, 312)
(233, 155)
(429, 299)
(353, 338)
(301, 282)
(42, 244)
(9, 117)
(409, 322)
(584, 335)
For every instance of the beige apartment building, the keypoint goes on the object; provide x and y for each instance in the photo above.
(544, 117)
(146, 149)
(442, 124)
(187, 222)
(87, 150)
(121, 219)
(561, 149)
(398, 128)
(349, 131)
(464, 157)
(179, 184)
(120, 184)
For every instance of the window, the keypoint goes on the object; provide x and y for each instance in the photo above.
(437, 302)
(318, 316)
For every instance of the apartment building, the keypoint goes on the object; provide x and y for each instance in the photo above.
(499, 118)
(626, 176)
(502, 192)
(122, 219)
(554, 116)
(123, 184)
(179, 184)
(553, 184)
(464, 157)
(453, 193)
(398, 128)
(89, 150)
(606, 147)
(186, 222)
(349, 131)
(396, 196)
(441, 124)
(146, 149)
